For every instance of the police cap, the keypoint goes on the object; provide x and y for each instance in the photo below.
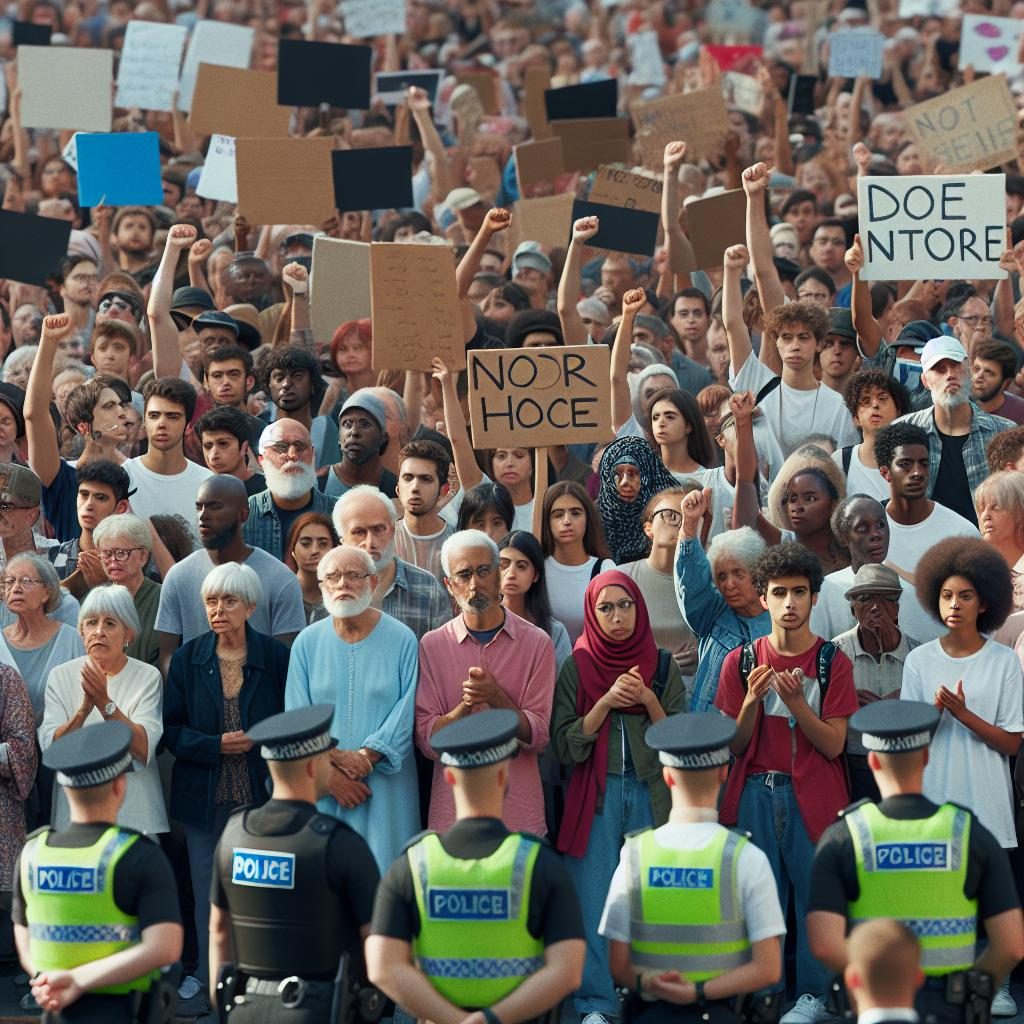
(296, 734)
(896, 726)
(693, 741)
(91, 756)
(478, 740)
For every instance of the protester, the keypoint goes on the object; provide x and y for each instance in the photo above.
(312, 536)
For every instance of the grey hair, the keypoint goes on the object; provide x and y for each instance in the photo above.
(233, 580)
(842, 518)
(113, 600)
(125, 525)
(466, 539)
(26, 354)
(354, 494)
(745, 545)
(47, 574)
(364, 556)
(637, 385)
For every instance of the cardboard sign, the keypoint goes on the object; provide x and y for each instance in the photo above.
(970, 128)
(284, 181)
(621, 230)
(234, 101)
(25, 33)
(147, 75)
(65, 87)
(990, 44)
(367, 18)
(538, 81)
(648, 66)
(537, 162)
(743, 92)
(595, 99)
(590, 142)
(533, 397)
(546, 219)
(213, 42)
(372, 179)
(715, 223)
(617, 187)
(311, 73)
(217, 179)
(698, 117)
(921, 227)
(417, 314)
(339, 285)
(855, 54)
(31, 247)
(485, 85)
(390, 87)
(119, 169)
(742, 57)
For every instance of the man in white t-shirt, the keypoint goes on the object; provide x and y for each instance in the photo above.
(422, 479)
(164, 481)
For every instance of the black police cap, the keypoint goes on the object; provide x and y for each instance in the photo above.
(479, 740)
(896, 726)
(693, 741)
(296, 734)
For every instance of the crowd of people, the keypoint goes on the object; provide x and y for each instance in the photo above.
(811, 498)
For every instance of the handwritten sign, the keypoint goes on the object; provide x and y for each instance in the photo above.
(417, 314)
(615, 186)
(645, 58)
(365, 18)
(213, 42)
(699, 117)
(339, 285)
(234, 101)
(990, 44)
(856, 53)
(65, 87)
(217, 179)
(532, 397)
(284, 181)
(119, 168)
(147, 75)
(970, 128)
(945, 227)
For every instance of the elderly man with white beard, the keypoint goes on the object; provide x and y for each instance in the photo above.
(365, 663)
(288, 461)
(365, 518)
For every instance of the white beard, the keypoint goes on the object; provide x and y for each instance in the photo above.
(387, 556)
(338, 609)
(292, 483)
(950, 402)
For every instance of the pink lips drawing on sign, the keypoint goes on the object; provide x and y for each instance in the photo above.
(988, 30)
(997, 53)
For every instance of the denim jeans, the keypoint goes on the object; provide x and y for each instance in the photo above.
(769, 812)
(627, 808)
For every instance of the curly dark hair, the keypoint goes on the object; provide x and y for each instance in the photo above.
(1005, 449)
(860, 382)
(897, 435)
(976, 561)
(809, 314)
(789, 559)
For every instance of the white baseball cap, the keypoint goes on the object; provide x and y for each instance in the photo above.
(938, 349)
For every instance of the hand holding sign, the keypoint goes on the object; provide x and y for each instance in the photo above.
(854, 257)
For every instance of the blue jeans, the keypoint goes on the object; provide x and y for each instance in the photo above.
(627, 808)
(769, 812)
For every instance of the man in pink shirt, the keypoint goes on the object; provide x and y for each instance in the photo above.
(486, 657)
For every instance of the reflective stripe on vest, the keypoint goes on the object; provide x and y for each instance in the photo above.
(685, 913)
(69, 903)
(918, 866)
(471, 909)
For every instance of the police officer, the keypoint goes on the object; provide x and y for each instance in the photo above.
(884, 972)
(95, 907)
(292, 889)
(935, 868)
(480, 925)
(692, 916)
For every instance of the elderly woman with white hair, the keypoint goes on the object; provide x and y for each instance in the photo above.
(107, 685)
(220, 684)
(716, 595)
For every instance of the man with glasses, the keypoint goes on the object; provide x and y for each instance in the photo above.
(486, 657)
(969, 318)
(363, 662)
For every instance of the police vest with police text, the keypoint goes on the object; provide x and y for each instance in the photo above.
(685, 909)
(914, 870)
(474, 944)
(69, 904)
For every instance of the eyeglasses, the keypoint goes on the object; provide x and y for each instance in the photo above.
(973, 320)
(284, 447)
(607, 608)
(117, 554)
(463, 576)
(670, 515)
(120, 305)
(332, 579)
(7, 506)
(27, 582)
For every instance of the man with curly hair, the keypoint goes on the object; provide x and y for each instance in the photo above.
(790, 694)
(1006, 450)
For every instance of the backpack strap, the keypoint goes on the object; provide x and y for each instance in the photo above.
(748, 662)
(847, 458)
(596, 570)
(825, 655)
(767, 390)
(660, 680)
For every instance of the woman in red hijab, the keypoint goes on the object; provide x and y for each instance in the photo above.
(612, 688)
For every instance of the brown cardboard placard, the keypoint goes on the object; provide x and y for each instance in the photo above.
(486, 174)
(616, 186)
(339, 287)
(591, 141)
(284, 181)
(537, 162)
(417, 314)
(970, 128)
(715, 223)
(238, 102)
(700, 118)
(486, 87)
(546, 219)
(532, 397)
(537, 79)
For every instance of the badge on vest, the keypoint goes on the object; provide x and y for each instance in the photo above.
(680, 878)
(263, 870)
(468, 904)
(924, 856)
(62, 879)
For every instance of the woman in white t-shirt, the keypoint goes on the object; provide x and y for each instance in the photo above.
(679, 432)
(574, 551)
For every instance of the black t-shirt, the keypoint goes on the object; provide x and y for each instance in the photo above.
(554, 913)
(287, 516)
(143, 882)
(256, 484)
(989, 878)
(952, 487)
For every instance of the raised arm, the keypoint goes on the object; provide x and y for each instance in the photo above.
(466, 468)
(573, 330)
(622, 407)
(441, 178)
(496, 220)
(869, 330)
(776, 103)
(680, 251)
(40, 433)
(736, 333)
(166, 352)
(759, 241)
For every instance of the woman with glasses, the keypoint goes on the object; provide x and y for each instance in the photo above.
(614, 686)
(219, 686)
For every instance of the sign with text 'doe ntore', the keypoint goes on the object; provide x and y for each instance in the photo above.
(932, 227)
(532, 397)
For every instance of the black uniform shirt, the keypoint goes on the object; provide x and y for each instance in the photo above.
(989, 878)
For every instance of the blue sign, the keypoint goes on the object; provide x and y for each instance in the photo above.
(468, 904)
(63, 879)
(912, 857)
(681, 878)
(263, 870)
(119, 169)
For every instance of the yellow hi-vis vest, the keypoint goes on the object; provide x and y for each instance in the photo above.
(685, 911)
(70, 908)
(474, 944)
(914, 870)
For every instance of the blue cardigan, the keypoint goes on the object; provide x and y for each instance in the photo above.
(194, 719)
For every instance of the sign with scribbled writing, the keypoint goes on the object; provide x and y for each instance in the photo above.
(147, 74)
(616, 186)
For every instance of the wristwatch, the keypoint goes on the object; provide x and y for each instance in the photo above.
(108, 709)
(701, 998)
